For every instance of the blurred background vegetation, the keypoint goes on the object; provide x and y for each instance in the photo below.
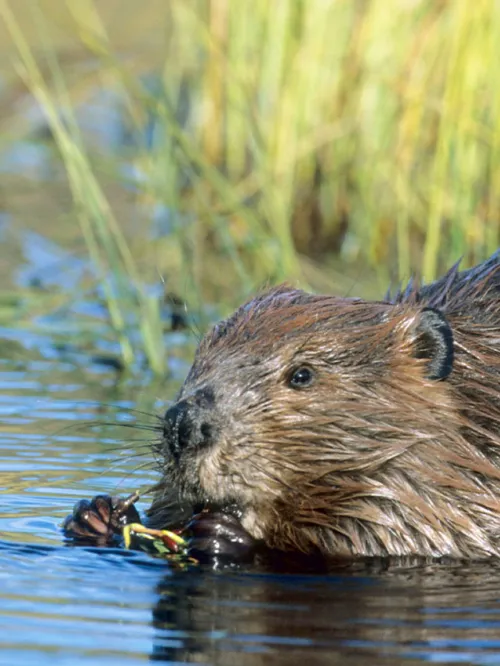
(212, 147)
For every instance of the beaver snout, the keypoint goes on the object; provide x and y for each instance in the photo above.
(188, 425)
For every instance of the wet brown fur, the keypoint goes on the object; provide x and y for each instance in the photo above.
(374, 458)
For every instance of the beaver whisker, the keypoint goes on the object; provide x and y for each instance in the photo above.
(142, 443)
(133, 426)
(131, 456)
(115, 464)
(130, 410)
(86, 425)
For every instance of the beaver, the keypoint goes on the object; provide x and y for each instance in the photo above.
(339, 426)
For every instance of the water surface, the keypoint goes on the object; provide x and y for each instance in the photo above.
(62, 438)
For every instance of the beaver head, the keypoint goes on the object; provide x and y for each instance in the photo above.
(343, 426)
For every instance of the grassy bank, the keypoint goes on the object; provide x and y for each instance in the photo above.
(278, 136)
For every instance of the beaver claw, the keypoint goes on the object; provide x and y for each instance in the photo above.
(99, 521)
(219, 537)
(212, 537)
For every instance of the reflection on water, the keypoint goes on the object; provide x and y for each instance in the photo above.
(357, 616)
(66, 605)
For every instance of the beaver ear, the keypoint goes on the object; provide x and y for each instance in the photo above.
(434, 342)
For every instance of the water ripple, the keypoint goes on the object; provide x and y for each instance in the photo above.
(61, 440)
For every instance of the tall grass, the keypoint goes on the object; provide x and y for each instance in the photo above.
(292, 128)
(365, 128)
(105, 241)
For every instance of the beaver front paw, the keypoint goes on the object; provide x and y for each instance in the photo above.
(99, 521)
(220, 537)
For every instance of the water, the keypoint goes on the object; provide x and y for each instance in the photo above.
(67, 605)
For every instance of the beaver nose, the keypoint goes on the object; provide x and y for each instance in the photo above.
(185, 427)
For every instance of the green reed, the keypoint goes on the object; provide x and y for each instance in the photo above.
(105, 241)
(294, 129)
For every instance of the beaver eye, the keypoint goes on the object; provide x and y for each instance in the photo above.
(301, 378)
